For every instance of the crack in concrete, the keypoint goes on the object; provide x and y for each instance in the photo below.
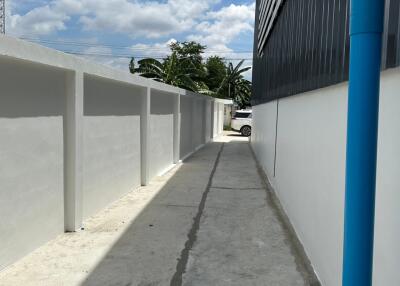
(228, 188)
(180, 206)
(192, 235)
(190, 206)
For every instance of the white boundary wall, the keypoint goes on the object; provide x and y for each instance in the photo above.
(309, 173)
(111, 142)
(75, 136)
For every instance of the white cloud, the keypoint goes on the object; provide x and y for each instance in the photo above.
(194, 20)
(190, 8)
(149, 19)
(70, 6)
(42, 20)
(104, 55)
(152, 50)
(221, 27)
(139, 18)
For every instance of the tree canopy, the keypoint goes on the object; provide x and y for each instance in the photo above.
(216, 72)
(186, 68)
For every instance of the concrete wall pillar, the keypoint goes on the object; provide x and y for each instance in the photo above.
(73, 157)
(177, 127)
(221, 119)
(205, 115)
(218, 119)
(145, 136)
(213, 119)
(209, 119)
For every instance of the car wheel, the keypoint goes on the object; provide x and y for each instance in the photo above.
(246, 131)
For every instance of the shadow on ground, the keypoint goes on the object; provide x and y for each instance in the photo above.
(147, 253)
(210, 224)
(235, 135)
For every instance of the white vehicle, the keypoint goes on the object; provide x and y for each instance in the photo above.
(241, 122)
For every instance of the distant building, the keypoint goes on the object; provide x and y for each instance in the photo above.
(228, 111)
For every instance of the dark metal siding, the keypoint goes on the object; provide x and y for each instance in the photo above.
(268, 12)
(308, 47)
(392, 53)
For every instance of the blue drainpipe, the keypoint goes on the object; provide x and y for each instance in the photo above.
(362, 132)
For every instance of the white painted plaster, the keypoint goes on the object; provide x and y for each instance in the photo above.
(221, 117)
(387, 218)
(208, 120)
(197, 130)
(32, 104)
(215, 119)
(186, 145)
(111, 142)
(310, 173)
(161, 149)
(122, 139)
(73, 151)
(263, 140)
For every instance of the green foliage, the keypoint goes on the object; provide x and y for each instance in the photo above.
(235, 86)
(190, 53)
(174, 71)
(216, 72)
(132, 65)
(186, 68)
(189, 50)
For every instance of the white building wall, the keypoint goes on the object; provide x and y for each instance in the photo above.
(221, 113)
(208, 120)
(310, 173)
(161, 133)
(228, 114)
(111, 152)
(32, 102)
(197, 130)
(215, 119)
(263, 140)
(387, 218)
(202, 124)
(71, 139)
(186, 146)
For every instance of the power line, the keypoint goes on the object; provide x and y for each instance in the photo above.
(146, 49)
(134, 50)
(136, 57)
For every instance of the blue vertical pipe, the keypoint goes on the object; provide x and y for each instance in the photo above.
(362, 132)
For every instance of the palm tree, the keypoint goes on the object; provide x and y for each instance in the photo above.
(185, 68)
(235, 86)
(241, 92)
(172, 71)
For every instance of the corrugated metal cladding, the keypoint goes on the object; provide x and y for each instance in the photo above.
(268, 13)
(308, 47)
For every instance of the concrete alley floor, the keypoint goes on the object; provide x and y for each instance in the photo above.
(209, 221)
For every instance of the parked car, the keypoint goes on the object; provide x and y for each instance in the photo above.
(241, 122)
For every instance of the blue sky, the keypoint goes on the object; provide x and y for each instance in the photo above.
(112, 30)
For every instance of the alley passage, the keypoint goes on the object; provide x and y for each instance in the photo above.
(208, 222)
